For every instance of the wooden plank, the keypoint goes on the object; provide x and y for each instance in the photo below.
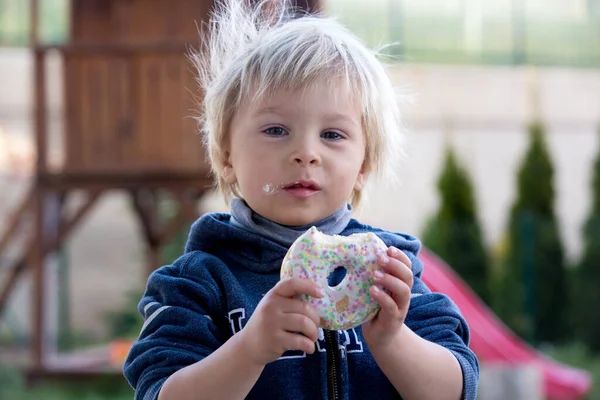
(170, 140)
(122, 120)
(137, 21)
(141, 118)
(145, 206)
(68, 224)
(116, 49)
(140, 28)
(121, 124)
(149, 113)
(75, 22)
(193, 152)
(72, 112)
(97, 128)
(86, 113)
(198, 179)
(36, 266)
(172, 25)
(117, 117)
(105, 154)
(122, 21)
(14, 273)
(148, 21)
(185, 214)
(91, 113)
(66, 227)
(90, 359)
(199, 11)
(92, 20)
(86, 364)
(34, 23)
(14, 219)
(40, 123)
(128, 125)
(156, 232)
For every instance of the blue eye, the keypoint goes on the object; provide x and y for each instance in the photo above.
(331, 135)
(275, 131)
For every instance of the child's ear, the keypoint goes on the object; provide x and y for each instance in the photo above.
(227, 171)
(360, 180)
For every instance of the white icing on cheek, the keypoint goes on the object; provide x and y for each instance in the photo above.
(270, 188)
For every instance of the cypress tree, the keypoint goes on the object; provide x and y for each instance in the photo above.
(586, 295)
(535, 298)
(454, 232)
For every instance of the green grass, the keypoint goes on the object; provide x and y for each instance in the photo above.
(12, 387)
(576, 355)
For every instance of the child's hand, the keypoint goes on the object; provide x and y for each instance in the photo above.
(398, 280)
(271, 329)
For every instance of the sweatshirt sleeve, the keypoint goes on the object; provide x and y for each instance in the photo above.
(178, 327)
(436, 318)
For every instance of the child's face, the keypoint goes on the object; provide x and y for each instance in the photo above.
(312, 136)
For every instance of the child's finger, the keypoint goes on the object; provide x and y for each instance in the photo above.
(386, 302)
(292, 287)
(298, 323)
(397, 268)
(399, 290)
(294, 306)
(400, 256)
(295, 341)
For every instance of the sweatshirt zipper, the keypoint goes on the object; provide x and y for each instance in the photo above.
(332, 360)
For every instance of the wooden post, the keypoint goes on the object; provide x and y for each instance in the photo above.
(15, 219)
(156, 230)
(99, 54)
(145, 205)
(37, 276)
(34, 16)
(40, 125)
(37, 253)
(66, 227)
(39, 87)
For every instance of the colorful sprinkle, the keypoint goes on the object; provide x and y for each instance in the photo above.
(315, 256)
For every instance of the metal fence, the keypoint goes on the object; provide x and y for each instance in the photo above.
(504, 32)
(14, 22)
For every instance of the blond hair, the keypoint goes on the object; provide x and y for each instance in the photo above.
(252, 51)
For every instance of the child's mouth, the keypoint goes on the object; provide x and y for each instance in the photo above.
(302, 189)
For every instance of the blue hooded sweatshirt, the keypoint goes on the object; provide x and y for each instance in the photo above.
(193, 306)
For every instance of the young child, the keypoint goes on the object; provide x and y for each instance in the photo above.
(297, 115)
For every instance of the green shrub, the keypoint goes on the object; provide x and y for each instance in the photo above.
(454, 232)
(534, 297)
(586, 295)
(126, 322)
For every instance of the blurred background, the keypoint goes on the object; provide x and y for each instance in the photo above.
(101, 173)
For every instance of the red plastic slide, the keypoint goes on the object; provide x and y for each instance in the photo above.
(493, 341)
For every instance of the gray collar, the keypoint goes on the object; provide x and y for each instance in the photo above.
(243, 217)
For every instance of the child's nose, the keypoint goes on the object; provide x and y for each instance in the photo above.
(306, 154)
(309, 159)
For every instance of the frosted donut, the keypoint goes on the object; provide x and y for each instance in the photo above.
(315, 255)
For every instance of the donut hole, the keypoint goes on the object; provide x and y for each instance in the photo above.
(336, 277)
